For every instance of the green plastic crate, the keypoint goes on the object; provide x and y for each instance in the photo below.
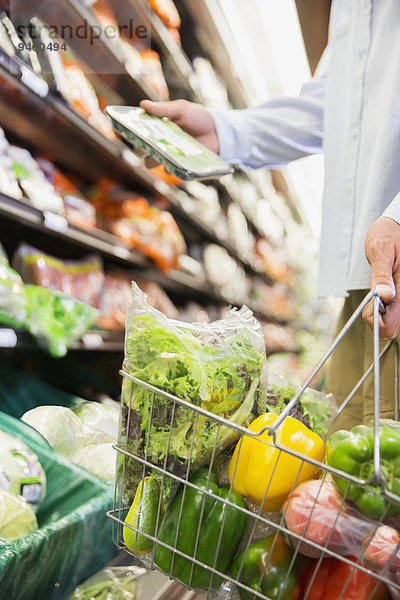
(75, 535)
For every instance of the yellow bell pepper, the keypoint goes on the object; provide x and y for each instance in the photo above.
(259, 467)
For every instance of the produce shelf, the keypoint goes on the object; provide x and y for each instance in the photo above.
(82, 148)
(95, 340)
(175, 282)
(211, 30)
(56, 225)
(160, 34)
(102, 56)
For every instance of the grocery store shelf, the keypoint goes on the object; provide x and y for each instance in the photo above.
(54, 224)
(61, 131)
(93, 340)
(232, 198)
(173, 51)
(100, 55)
(176, 282)
(211, 30)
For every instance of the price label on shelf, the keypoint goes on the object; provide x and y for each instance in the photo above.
(92, 340)
(55, 221)
(162, 188)
(8, 339)
(122, 252)
(131, 158)
(34, 82)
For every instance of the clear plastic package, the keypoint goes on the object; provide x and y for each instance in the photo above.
(57, 320)
(78, 209)
(33, 182)
(315, 409)
(219, 366)
(165, 141)
(13, 303)
(17, 518)
(8, 179)
(21, 473)
(113, 583)
(82, 279)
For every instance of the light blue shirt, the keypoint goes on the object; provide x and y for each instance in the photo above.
(352, 114)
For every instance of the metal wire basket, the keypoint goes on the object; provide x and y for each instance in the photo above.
(171, 476)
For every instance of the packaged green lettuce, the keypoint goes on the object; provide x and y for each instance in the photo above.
(12, 295)
(218, 366)
(57, 320)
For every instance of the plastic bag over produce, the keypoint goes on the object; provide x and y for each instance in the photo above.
(17, 518)
(100, 422)
(61, 428)
(12, 294)
(315, 409)
(21, 473)
(220, 367)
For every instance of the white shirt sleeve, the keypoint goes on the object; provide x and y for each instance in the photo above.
(274, 133)
(393, 210)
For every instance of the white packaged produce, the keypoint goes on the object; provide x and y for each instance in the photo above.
(20, 471)
(61, 428)
(100, 422)
(8, 179)
(33, 182)
(17, 518)
(99, 459)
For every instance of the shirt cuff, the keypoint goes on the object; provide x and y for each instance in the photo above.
(393, 210)
(226, 135)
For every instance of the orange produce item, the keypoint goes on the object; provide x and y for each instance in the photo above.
(160, 172)
(167, 12)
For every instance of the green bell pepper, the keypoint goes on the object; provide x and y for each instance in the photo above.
(271, 573)
(353, 452)
(216, 515)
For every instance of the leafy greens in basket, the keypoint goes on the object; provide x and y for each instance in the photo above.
(219, 366)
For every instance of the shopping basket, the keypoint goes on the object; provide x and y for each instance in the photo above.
(274, 524)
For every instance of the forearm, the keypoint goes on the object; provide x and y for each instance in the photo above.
(275, 133)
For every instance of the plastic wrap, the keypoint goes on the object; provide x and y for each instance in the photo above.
(78, 209)
(137, 224)
(315, 409)
(100, 422)
(219, 366)
(82, 279)
(17, 518)
(8, 179)
(57, 320)
(99, 459)
(21, 473)
(113, 583)
(33, 182)
(316, 511)
(13, 303)
(85, 434)
(59, 426)
(74, 538)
